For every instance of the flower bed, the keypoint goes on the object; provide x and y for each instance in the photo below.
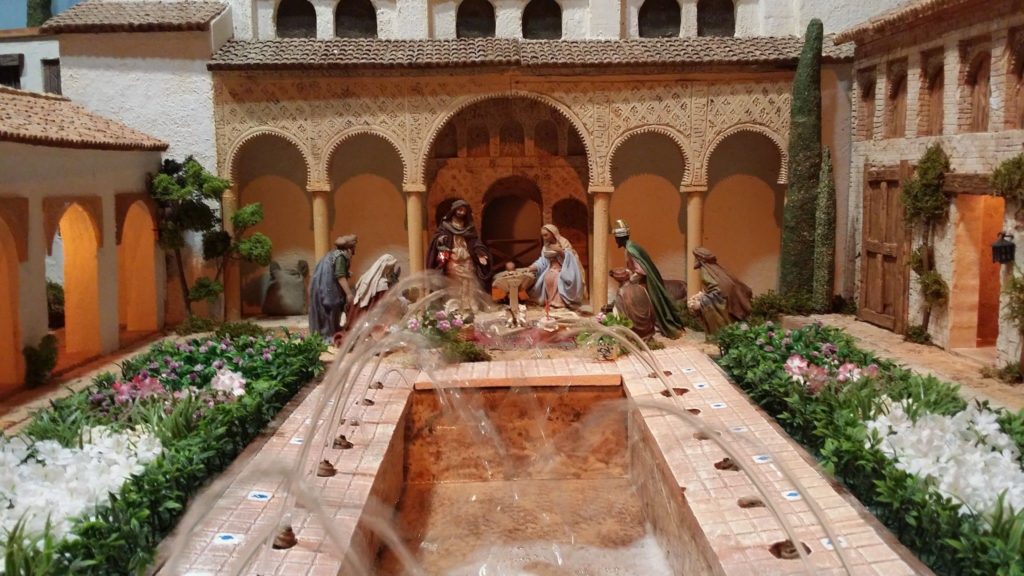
(143, 445)
(944, 477)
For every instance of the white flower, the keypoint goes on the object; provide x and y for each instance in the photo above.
(229, 381)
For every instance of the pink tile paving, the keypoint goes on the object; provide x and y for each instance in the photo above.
(736, 539)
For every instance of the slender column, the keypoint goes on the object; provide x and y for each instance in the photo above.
(599, 274)
(232, 271)
(414, 194)
(321, 229)
(694, 233)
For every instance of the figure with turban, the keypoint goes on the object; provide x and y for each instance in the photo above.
(372, 286)
(329, 292)
(644, 273)
(724, 298)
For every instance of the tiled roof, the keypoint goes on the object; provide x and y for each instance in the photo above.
(374, 53)
(94, 16)
(49, 120)
(895, 18)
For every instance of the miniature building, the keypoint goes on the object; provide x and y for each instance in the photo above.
(70, 173)
(948, 72)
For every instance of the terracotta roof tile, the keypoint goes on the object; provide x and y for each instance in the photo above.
(94, 16)
(895, 19)
(49, 120)
(375, 53)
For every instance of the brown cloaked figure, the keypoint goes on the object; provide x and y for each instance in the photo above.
(724, 298)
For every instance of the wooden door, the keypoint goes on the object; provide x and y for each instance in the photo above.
(884, 246)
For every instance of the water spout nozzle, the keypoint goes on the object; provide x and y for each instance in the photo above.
(325, 469)
(285, 539)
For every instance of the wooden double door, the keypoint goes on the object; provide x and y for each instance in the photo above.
(885, 243)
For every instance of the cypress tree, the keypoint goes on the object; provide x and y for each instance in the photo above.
(798, 227)
(824, 237)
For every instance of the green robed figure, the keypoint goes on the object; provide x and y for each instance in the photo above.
(644, 273)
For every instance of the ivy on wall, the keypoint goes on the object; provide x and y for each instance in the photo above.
(38, 12)
(798, 222)
(824, 237)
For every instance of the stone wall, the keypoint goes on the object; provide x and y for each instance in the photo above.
(956, 40)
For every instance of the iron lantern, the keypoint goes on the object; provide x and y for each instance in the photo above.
(1003, 249)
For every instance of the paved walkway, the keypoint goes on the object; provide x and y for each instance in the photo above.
(945, 365)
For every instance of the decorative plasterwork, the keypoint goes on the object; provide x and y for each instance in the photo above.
(54, 208)
(318, 113)
(123, 203)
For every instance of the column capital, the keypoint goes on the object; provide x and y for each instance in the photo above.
(414, 188)
(318, 188)
(593, 189)
(693, 188)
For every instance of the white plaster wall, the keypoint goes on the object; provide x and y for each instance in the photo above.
(411, 19)
(442, 18)
(837, 16)
(508, 18)
(36, 49)
(243, 17)
(574, 19)
(749, 20)
(29, 172)
(156, 83)
(607, 19)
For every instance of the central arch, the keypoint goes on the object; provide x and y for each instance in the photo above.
(511, 220)
(80, 241)
(136, 257)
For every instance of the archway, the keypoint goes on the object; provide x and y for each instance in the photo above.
(542, 20)
(647, 170)
(355, 19)
(511, 221)
(10, 324)
(659, 19)
(271, 170)
(366, 182)
(81, 283)
(136, 263)
(474, 19)
(296, 19)
(743, 209)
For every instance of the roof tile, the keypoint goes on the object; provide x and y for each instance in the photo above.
(49, 120)
(895, 18)
(94, 16)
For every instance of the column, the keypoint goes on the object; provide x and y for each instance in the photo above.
(321, 228)
(232, 272)
(599, 273)
(414, 196)
(694, 232)
(108, 278)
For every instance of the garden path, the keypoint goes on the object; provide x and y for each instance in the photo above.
(945, 365)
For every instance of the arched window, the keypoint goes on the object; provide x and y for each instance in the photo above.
(545, 139)
(866, 109)
(930, 104)
(475, 19)
(896, 108)
(511, 139)
(478, 141)
(1018, 95)
(1015, 84)
(716, 18)
(542, 20)
(355, 19)
(978, 81)
(296, 19)
(659, 19)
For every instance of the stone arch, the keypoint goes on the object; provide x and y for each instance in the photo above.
(339, 139)
(231, 159)
(475, 19)
(364, 175)
(780, 143)
(542, 20)
(465, 102)
(81, 281)
(10, 324)
(716, 18)
(295, 19)
(659, 19)
(136, 264)
(355, 19)
(743, 195)
(673, 135)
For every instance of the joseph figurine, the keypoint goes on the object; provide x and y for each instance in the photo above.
(457, 251)
(643, 272)
(329, 292)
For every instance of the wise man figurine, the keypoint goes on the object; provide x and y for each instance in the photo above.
(644, 273)
(457, 251)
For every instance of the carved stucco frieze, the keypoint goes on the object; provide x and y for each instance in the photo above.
(318, 113)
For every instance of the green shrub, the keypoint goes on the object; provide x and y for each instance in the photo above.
(1008, 179)
(925, 198)
(934, 289)
(824, 237)
(771, 306)
(918, 334)
(40, 361)
(840, 305)
(1010, 373)
(54, 305)
(455, 351)
(233, 330)
(195, 325)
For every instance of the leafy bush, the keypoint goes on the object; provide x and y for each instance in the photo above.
(934, 289)
(1010, 373)
(195, 325)
(54, 305)
(232, 330)
(918, 334)
(829, 420)
(606, 341)
(40, 361)
(199, 440)
(455, 351)
(444, 331)
(770, 306)
(1008, 179)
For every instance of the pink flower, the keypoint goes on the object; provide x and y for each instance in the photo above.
(457, 322)
(848, 372)
(444, 326)
(441, 315)
(414, 324)
(796, 367)
(817, 378)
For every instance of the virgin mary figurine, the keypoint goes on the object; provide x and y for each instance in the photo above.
(559, 281)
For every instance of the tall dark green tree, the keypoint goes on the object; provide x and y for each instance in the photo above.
(796, 268)
(186, 193)
(824, 237)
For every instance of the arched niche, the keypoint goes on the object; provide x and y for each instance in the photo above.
(365, 173)
(136, 263)
(542, 20)
(647, 170)
(659, 19)
(80, 244)
(295, 19)
(716, 18)
(271, 170)
(511, 220)
(475, 19)
(743, 208)
(355, 19)
(11, 369)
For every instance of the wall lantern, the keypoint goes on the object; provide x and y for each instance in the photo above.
(1003, 249)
